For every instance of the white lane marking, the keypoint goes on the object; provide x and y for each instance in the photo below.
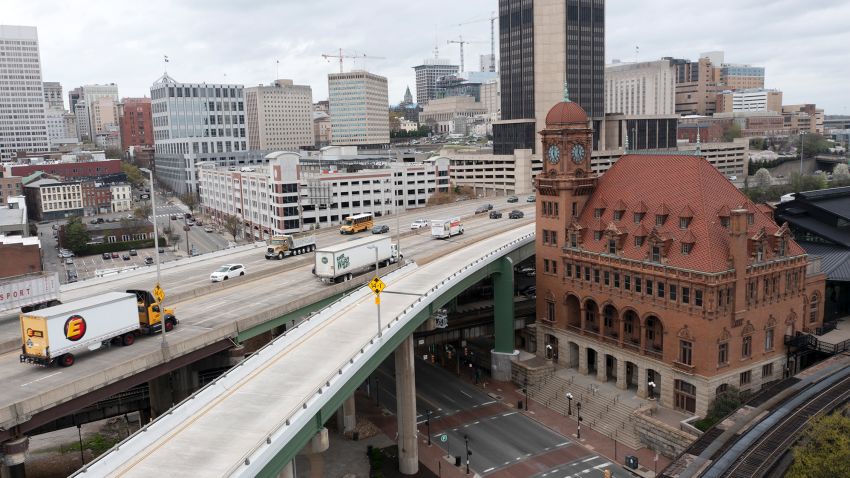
(562, 444)
(487, 403)
(590, 459)
(468, 395)
(509, 414)
(607, 463)
(488, 470)
(40, 379)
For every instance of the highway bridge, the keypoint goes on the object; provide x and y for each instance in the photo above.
(275, 402)
(214, 318)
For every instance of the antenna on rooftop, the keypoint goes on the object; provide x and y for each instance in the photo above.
(165, 64)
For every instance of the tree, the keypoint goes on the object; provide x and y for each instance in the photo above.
(841, 173)
(813, 145)
(824, 449)
(76, 234)
(763, 179)
(731, 131)
(134, 176)
(143, 211)
(395, 121)
(113, 153)
(190, 200)
(232, 225)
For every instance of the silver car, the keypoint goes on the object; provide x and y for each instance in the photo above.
(227, 271)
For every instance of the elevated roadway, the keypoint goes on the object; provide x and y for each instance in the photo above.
(32, 396)
(267, 408)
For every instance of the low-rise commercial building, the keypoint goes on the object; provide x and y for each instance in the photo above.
(13, 217)
(297, 192)
(441, 114)
(50, 199)
(496, 174)
(121, 197)
(21, 255)
(756, 99)
(97, 198)
(9, 186)
(68, 168)
(804, 118)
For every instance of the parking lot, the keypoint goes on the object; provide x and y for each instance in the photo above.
(87, 266)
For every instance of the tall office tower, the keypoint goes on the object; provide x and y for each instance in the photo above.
(90, 95)
(74, 96)
(644, 88)
(81, 117)
(427, 74)
(104, 115)
(194, 123)
(359, 104)
(22, 120)
(53, 95)
(136, 121)
(542, 44)
(279, 116)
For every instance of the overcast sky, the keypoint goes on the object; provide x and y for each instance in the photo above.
(802, 43)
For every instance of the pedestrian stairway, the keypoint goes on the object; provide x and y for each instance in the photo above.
(603, 412)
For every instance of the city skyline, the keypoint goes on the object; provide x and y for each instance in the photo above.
(206, 41)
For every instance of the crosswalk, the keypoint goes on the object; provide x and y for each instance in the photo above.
(590, 467)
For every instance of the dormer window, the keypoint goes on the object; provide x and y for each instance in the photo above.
(618, 215)
(573, 240)
(686, 249)
(597, 235)
(760, 252)
(660, 219)
(656, 253)
(597, 213)
(612, 246)
(639, 241)
(684, 222)
(782, 247)
(751, 219)
(724, 221)
(638, 217)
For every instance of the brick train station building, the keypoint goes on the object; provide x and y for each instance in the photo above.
(660, 275)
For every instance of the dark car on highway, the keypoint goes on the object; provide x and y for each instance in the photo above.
(513, 199)
(515, 214)
(495, 215)
(380, 229)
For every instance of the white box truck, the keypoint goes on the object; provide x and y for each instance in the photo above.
(343, 261)
(30, 291)
(290, 245)
(445, 228)
(53, 335)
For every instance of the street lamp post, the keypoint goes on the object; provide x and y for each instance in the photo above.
(569, 403)
(428, 424)
(651, 385)
(156, 246)
(377, 297)
(548, 352)
(801, 152)
(525, 389)
(578, 420)
(468, 453)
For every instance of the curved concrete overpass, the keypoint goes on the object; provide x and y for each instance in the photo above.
(271, 405)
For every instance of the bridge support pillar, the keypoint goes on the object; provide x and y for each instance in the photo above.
(159, 390)
(184, 382)
(503, 353)
(405, 390)
(349, 418)
(288, 471)
(13, 454)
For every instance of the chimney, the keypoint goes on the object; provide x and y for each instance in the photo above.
(739, 253)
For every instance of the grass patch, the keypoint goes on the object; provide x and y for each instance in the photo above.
(97, 443)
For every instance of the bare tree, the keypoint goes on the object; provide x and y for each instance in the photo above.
(143, 211)
(232, 225)
(763, 179)
(190, 200)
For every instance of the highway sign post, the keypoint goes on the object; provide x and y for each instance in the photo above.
(377, 285)
(158, 293)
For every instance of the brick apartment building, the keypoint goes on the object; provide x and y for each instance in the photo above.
(21, 255)
(75, 169)
(136, 122)
(661, 272)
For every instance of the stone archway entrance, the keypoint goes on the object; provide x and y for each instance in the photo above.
(573, 355)
(551, 347)
(631, 376)
(591, 361)
(610, 367)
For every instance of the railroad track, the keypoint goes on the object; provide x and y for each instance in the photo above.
(758, 460)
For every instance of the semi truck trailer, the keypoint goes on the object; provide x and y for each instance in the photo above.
(290, 245)
(29, 291)
(55, 334)
(343, 261)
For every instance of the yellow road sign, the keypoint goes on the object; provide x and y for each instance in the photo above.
(377, 285)
(158, 293)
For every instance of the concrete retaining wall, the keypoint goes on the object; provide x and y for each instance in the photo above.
(659, 436)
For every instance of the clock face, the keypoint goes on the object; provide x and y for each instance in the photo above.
(578, 153)
(554, 154)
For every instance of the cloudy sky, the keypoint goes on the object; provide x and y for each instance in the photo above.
(802, 43)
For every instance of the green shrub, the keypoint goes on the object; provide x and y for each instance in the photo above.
(91, 249)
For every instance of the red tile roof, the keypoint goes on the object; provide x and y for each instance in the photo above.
(676, 185)
(566, 112)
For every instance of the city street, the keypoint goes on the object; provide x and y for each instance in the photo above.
(503, 441)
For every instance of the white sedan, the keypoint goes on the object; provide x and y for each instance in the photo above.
(227, 271)
(418, 224)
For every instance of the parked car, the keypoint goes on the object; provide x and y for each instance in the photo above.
(227, 271)
(161, 250)
(100, 220)
(190, 222)
(513, 199)
(173, 217)
(148, 260)
(208, 229)
(72, 276)
(93, 221)
(516, 214)
(199, 223)
(530, 291)
(105, 255)
(380, 229)
(55, 227)
(69, 261)
(115, 255)
(526, 270)
(126, 257)
(495, 215)
(419, 224)
(531, 198)
(133, 252)
(64, 254)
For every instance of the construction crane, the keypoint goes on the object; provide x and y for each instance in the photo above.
(460, 41)
(328, 56)
(493, 17)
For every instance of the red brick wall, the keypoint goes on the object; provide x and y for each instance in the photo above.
(136, 122)
(71, 170)
(19, 259)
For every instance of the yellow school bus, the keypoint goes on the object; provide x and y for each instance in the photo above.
(357, 223)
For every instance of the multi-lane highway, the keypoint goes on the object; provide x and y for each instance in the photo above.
(28, 389)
